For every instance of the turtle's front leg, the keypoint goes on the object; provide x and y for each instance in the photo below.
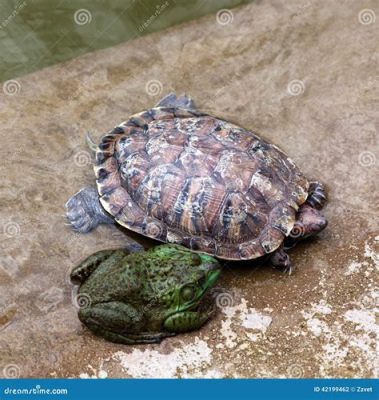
(85, 212)
(281, 260)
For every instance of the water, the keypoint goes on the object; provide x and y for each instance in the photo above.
(37, 33)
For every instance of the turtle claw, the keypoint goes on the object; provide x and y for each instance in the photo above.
(83, 226)
(288, 270)
(317, 195)
(84, 211)
(281, 260)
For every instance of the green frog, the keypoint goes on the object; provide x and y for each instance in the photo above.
(143, 297)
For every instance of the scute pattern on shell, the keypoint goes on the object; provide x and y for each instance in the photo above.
(179, 175)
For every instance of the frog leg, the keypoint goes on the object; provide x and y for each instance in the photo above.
(85, 212)
(186, 321)
(110, 320)
(153, 337)
(131, 339)
(82, 271)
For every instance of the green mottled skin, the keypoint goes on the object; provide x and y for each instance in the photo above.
(146, 296)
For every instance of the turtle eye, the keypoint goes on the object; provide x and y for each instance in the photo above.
(188, 293)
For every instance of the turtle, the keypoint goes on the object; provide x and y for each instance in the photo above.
(179, 175)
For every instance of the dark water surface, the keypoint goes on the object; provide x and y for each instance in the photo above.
(37, 33)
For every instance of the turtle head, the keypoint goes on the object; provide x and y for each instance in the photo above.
(309, 222)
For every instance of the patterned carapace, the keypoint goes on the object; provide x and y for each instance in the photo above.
(179, 175)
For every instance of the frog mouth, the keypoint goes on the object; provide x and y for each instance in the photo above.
(213, 275)
(205, 304)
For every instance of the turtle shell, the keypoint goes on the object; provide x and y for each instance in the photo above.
(179, 175)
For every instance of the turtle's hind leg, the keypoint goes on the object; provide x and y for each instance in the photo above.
(317, 195)
(85, 212)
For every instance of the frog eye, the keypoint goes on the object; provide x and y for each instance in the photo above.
(202, 281)
(196, 259)
(188, 293)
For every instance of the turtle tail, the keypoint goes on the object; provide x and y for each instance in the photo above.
(90, 142)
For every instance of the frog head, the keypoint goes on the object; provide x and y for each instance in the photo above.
(180, 279)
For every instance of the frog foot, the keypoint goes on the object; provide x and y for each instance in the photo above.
(142, 338)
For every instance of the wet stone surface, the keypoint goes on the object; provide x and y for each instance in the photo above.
(306, 78)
